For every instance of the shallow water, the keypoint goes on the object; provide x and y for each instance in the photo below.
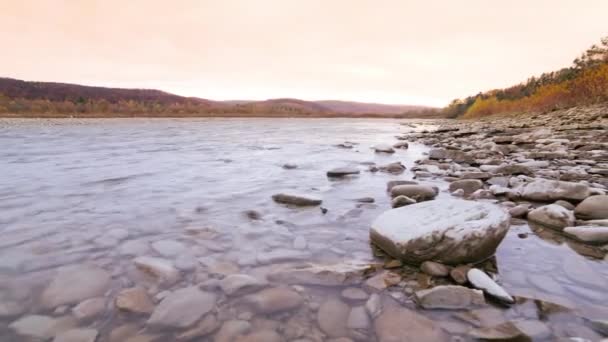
(65, 184)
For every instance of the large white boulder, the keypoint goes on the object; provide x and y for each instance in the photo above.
(449, 231)
(544, 190)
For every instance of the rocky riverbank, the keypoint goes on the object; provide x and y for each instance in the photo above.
(430, 274)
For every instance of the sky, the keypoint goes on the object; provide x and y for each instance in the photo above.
(424, 52)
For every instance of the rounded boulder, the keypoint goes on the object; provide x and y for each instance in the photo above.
(449, 231)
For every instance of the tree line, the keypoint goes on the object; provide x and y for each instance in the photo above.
(585, 82)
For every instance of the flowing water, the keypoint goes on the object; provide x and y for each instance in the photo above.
(104, 191)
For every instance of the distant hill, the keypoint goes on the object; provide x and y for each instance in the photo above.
(363, 107)
(49, 99)
(52, 91)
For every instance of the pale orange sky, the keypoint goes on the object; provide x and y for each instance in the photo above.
(408, 52)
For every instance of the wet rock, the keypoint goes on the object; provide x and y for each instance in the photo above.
(373, 305)
(402, 201)
(73, 284)
(482, 194)
(282, 255)
(565, 204)
(502, 332)
(391, 184)
(182, 308)
(123, 332)
(220, 267)
(394, 168)
(533, 329)
(239, 284)
(448, 231)
(513, 169)
(253, 215)
(185, 262)
(168, 248)
(133, 247)
(342, 172)
(231, 330)
(403, 325)
(260, 336)
(135, 300)
(77, 335)
(476, 175)
(434, 269)
(593, 208)
(520, 210)
(273, 300)
(543, 190)
(402, 144)
(383, 280)
(459, 274)
(297, 200)
(89, 308)
(601, 326)
(366, 200)
(383, 148)
(449, 297)
(162, 269)
(41, 327)
(482, 281)
(325, 275)
(10, 308)
(416, 192)
(205, 327)
(358, 318)
(346, 145)
(469, 186)
(458, 193)
(353, 293)
(552, 216)
(393, 263)
(332, 318)
(455, 155)
(588, 234)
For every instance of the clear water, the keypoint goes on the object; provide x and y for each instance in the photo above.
(65, 183)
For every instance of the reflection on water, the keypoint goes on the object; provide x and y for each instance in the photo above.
(198, 194)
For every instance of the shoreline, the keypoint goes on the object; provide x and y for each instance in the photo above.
(235, 115)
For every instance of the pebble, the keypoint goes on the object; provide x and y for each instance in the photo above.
(482, 281)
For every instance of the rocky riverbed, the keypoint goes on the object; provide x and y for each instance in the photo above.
(496, 234)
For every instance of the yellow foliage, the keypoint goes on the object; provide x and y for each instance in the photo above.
(589, 87)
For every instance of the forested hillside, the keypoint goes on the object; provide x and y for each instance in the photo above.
(48, 99)
(585, 82)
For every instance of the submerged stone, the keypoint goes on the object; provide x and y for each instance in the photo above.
(182, 308)
(74, 284)
(449, 297)
(404, 325)
(273, 300)
(342, 172)
(297, 200)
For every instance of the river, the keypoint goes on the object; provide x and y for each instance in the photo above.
(197, 192)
